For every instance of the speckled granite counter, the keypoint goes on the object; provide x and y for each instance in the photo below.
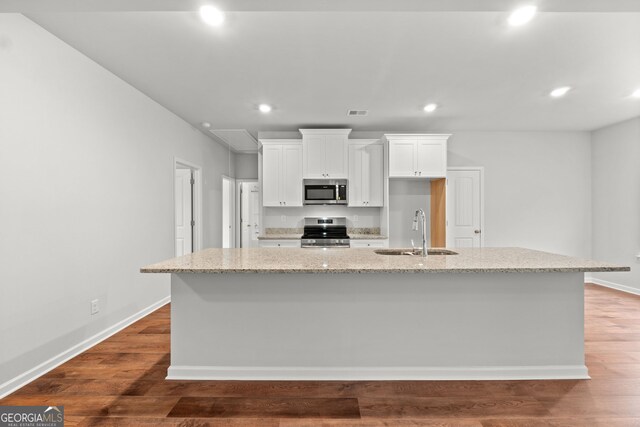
(520, 316)
(294, 260)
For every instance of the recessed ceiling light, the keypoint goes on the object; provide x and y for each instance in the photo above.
(522, 15)
(206, 125)
(560, 91)
(211, 15)
(636, 94)
(264, 108)
(430, 108)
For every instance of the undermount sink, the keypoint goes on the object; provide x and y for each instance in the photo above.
(414, 252)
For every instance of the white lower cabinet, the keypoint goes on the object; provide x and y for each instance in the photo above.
(374, 243)
(279, 243)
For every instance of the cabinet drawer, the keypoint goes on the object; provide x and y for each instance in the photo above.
(279, 243)
(370, 243)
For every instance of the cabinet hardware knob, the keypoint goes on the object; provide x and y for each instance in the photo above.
(477, 231)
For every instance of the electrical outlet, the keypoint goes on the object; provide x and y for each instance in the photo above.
(94, 307)
(283, 218)
(355, 218)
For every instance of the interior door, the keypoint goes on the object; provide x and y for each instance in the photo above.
(183, 212)
(464, 209)
(250, 211)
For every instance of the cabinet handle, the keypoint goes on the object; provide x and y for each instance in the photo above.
(415, 173)
(284, 203)
(420, 173)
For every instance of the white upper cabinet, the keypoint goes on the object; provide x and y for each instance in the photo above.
(417, 156)
(281, 173)
(325, 153)
(366, 173)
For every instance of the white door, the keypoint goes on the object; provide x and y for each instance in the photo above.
(184, 217)
(464, 208)
(228, 210)
(250, 214)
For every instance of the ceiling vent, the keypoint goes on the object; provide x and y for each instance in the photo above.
(357, 113)
(238, 139)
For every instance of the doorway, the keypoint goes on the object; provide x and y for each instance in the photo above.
(249, 209)
(228, 212)
(465, 207)
(187, 205)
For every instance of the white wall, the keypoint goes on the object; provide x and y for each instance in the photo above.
(246, 165)
(405, 197)
(294, 217)
(86, 190)
(537, 187)
(616, 199)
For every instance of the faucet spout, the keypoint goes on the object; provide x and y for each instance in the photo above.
(420, 215)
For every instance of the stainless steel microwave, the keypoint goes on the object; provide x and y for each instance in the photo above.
(325, 192)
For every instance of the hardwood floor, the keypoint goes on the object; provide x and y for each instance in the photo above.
(121, 382)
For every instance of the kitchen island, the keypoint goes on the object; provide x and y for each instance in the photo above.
(349, 314)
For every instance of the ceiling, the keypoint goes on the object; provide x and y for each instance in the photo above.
(313, 63)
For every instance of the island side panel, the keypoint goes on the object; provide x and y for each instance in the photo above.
(377, 326)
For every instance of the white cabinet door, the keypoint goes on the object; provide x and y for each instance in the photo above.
(314, 156)
(335, 158)
(356, 179)
(291, 175)
(271, 175)
(431, 158)
(279, 243)
(384, 243)
(375, 173)
(402, 158)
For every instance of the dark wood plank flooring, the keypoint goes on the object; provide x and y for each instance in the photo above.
(121, 382)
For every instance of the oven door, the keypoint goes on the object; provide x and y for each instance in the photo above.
(320, 194)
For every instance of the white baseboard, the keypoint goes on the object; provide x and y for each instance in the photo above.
(32, 374)
(613, 285)
(373, 374)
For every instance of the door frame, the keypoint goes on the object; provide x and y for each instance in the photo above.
(481, 170)
(239, 182)
(196, 201)
(232, 222)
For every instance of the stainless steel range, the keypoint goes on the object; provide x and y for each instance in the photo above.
(325, 232)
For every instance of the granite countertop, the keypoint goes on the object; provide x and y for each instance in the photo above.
(297, 260)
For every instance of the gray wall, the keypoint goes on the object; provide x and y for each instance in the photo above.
(86, 194)
(247, 166)
(537, 187)
(616, 199)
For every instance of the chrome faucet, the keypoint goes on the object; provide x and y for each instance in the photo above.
(420, 213)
